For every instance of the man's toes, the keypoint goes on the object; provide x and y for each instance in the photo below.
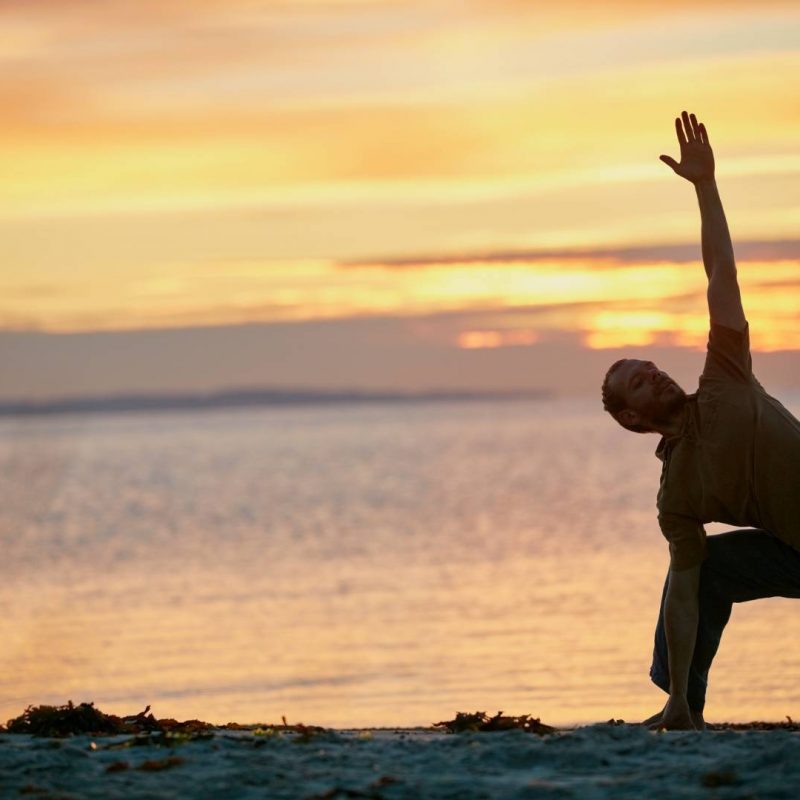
(654, 719)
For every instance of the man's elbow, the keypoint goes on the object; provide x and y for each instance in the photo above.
(725, 303)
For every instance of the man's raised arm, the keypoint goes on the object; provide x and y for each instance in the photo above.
(697, 166)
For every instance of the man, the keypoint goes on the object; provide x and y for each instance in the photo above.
(730, 453)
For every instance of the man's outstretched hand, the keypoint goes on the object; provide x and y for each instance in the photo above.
(697, 159)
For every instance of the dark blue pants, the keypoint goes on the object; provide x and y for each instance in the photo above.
(740, 566)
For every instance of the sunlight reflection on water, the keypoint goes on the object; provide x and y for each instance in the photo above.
(367, 565)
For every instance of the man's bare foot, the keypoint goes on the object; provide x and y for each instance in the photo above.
(697, 719)
(655, 718)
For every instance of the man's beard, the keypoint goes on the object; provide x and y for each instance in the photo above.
(671, 406)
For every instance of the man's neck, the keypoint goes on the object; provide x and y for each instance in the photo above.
(671, 427)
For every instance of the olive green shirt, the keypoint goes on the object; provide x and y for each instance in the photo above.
(736, 459)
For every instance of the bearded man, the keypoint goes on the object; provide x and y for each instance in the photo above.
(730, 453)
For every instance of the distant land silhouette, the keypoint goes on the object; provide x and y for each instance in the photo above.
(240, 398)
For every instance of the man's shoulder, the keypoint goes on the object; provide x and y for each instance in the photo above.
(715, 393)
(728, 355)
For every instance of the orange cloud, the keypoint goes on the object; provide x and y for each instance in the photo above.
(480, 340)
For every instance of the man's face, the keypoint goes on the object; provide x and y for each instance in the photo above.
(651, 396)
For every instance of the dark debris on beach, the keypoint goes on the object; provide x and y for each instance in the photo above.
(480, 721)
(84, 718)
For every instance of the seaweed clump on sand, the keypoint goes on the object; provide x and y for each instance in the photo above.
(69, 720)
(480, 721)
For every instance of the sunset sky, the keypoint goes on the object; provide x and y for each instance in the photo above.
(488, 168)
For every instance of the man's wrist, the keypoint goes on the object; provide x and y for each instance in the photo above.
(705, 183)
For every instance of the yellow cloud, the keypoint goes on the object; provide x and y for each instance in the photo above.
(610, 304)
(60, 156)
(770, 297)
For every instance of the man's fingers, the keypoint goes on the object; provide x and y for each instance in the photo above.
(690, 137)
(670, 162)
(703, 133)
(695, 127)
(679, 132)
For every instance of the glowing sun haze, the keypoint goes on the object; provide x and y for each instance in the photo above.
(168, 164)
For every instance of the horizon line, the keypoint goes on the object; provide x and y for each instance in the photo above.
(243, 397)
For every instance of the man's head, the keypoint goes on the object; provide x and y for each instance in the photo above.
(641, 397)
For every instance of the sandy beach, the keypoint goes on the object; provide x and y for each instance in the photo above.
(596, 761)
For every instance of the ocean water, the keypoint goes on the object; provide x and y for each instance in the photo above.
(364, 565)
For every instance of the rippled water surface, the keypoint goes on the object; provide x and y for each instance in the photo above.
(351, 566)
